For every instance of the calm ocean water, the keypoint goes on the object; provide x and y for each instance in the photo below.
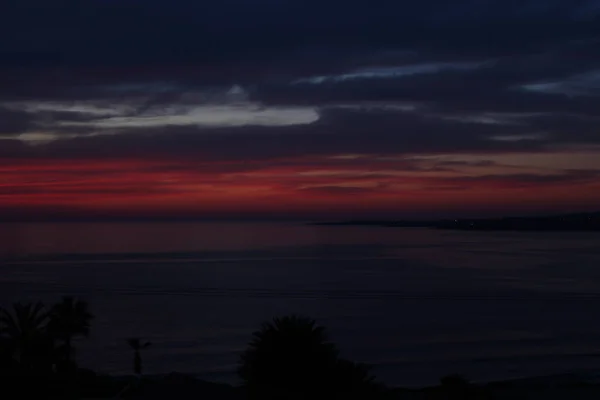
(414, 303)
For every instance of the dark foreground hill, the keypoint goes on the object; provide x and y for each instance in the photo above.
(182, 387)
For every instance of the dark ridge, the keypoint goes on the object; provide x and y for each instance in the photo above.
(582, 222)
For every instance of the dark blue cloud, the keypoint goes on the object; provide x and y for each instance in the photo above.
(522, 57)
(115, 32)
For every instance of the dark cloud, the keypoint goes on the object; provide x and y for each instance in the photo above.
(338, 132)
(156, 55)
(494, 85)
(14, 122)
(457, 163)
(524, 180)
(75, 190)
(153, 31)
(516, 180)
(340, 190)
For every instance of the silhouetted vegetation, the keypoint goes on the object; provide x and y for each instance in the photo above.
(36, 346)
(25, 335)
(457, 387)
(288, 358)
(291, 358)
(137, 346)
(68, 319)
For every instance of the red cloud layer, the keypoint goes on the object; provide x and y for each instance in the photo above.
(301, 186)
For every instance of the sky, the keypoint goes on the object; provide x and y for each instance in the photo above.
(299, 108)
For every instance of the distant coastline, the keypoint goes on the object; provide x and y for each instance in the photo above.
(568, 222)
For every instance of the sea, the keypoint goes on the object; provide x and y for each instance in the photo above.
(414, 304)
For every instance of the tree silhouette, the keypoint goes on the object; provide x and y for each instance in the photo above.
(7, 361)
(291, 357)
(137, 346)
(457, 387)
(68, 319)
(25, 332)
(353, 377)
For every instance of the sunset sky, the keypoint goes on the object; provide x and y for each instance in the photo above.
(299, 108)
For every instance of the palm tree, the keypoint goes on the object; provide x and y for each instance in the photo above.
(25, 331)
(290, 355)
(68, 319)
(137, 346)
(7, 361)
(292, 358)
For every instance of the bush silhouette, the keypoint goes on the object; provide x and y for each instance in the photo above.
(292, 358)
(457, 387)
(68, 319)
